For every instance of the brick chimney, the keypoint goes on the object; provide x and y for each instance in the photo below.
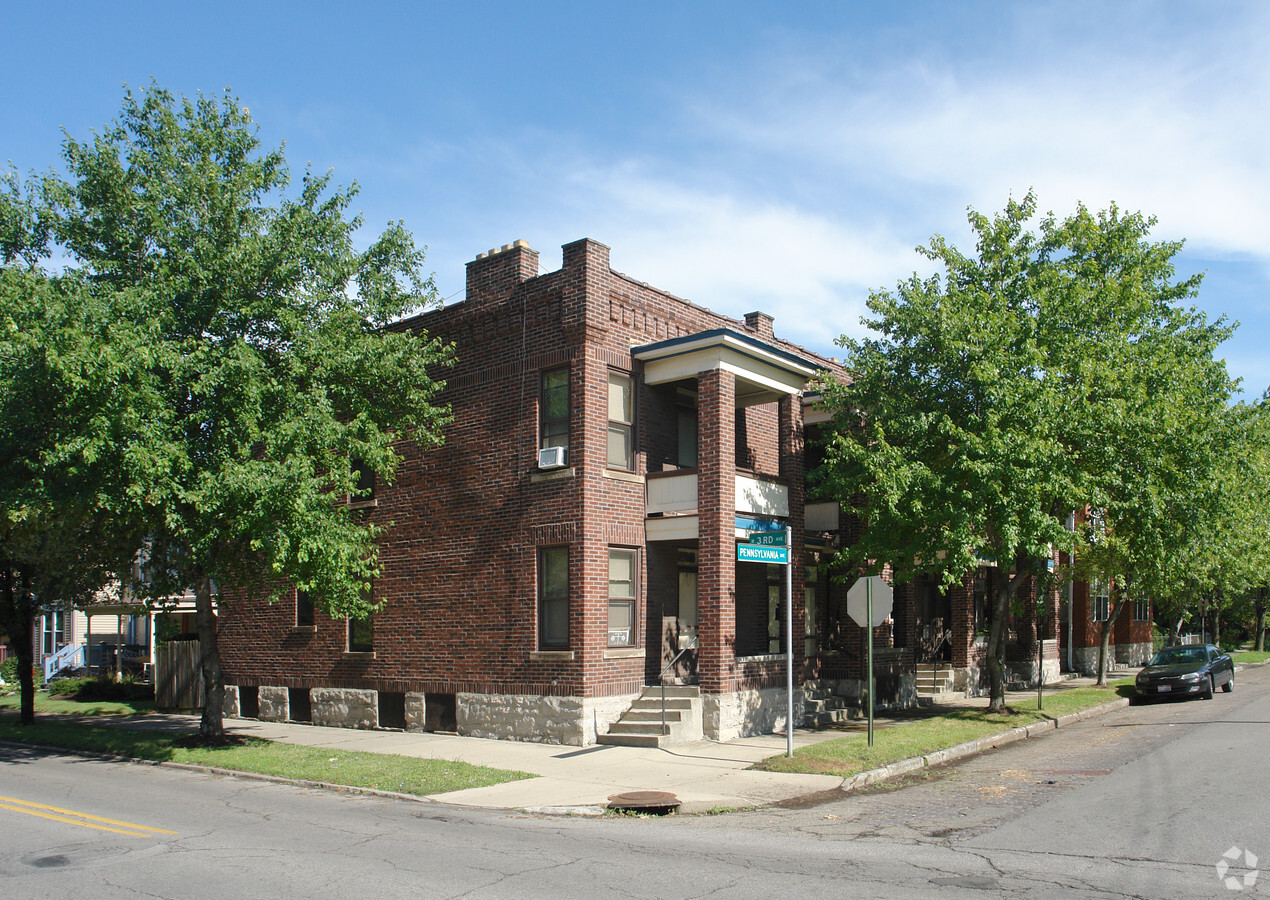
(492, 276)
(760, 323)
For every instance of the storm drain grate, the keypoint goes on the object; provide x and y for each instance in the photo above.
(650, 803)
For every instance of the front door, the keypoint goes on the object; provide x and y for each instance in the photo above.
(686, 626)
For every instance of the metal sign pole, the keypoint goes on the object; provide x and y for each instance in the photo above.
(868, 607)
(789, 647)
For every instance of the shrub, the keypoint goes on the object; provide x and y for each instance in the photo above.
(9, 672)
(66, 686)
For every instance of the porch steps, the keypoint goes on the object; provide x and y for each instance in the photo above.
(641, 725)
(934, 683)
(821, 706)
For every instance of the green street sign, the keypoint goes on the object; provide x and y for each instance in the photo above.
(767, 538)
(760, 554)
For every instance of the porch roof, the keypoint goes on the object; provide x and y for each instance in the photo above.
(764, 371)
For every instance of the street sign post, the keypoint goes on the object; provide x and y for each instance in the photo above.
(772, 547)
(878, 600)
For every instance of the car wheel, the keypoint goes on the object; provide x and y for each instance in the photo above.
(1208, 694)
(1230, 684)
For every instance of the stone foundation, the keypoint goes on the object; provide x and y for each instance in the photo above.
(230, 706)
(344, 707)
(745, 713)
(549, 720)
(415, 712)
(275, 704)
(1085, 659)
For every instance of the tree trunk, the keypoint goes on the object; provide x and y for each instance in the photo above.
(1259, 608)
(1104, 641)
(996, 644)
(1217, 619)
(26, 667)
(212, 724)
(17, 618)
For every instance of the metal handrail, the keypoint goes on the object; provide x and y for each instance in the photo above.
(661, 679)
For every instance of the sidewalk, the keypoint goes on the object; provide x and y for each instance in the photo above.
(704, 775)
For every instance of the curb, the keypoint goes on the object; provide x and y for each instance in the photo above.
(977, 746)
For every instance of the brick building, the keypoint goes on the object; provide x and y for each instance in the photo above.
(573, 542)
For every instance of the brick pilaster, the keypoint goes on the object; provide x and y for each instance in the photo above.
(716, 509)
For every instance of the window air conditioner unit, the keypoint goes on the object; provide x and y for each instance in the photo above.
(551, 457)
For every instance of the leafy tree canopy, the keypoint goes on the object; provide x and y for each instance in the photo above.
(1052, 370)
(266, 340)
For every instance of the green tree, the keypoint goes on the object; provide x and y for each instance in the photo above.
(997, 397)
(72, 445)
(270, 344)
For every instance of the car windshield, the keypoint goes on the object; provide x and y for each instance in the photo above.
(1177, 655)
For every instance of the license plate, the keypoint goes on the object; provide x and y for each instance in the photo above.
(1164, 688)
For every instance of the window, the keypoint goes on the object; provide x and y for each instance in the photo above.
(621, 422)
(303, 609)
(361, 635)
(363, 481)
(553, 598)
(775, 609)
(810, 611)
(54, 633)
(623, 566)
(1141, 610)
(1099, 601)
(553, 417)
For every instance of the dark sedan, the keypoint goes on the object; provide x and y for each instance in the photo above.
(1186, 671)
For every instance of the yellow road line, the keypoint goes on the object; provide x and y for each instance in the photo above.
(46, 812)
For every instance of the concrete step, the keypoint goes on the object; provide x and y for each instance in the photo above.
(651, 715)
(832, 717)
(655, 703)
(622, 726)
(629, 740)
(681, 691)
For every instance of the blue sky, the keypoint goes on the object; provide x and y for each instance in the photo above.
(745, 155)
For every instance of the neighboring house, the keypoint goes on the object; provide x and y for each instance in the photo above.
(573, 544)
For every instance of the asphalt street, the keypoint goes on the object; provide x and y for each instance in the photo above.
(1143, 802)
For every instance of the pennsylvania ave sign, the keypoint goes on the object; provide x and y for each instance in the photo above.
(760, 554)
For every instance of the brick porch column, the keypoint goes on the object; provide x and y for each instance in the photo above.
(716, 527)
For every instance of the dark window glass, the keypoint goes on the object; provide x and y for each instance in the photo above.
(554, 409)
(303, 609)
(553, 597)
(361, 635)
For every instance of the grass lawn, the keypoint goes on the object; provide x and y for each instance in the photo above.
(46, 704)
(381, 771)
(852, 754)
(1249, 656)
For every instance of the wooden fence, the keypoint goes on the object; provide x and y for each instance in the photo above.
(178, 681)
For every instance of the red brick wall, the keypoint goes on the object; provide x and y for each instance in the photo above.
(467, 519)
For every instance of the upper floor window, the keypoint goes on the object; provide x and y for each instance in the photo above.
(553, 417)
(621, 452)
(1141, 610)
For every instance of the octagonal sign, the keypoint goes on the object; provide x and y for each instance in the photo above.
(857, 600)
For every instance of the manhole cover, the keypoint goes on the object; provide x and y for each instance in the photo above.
(653, 803)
